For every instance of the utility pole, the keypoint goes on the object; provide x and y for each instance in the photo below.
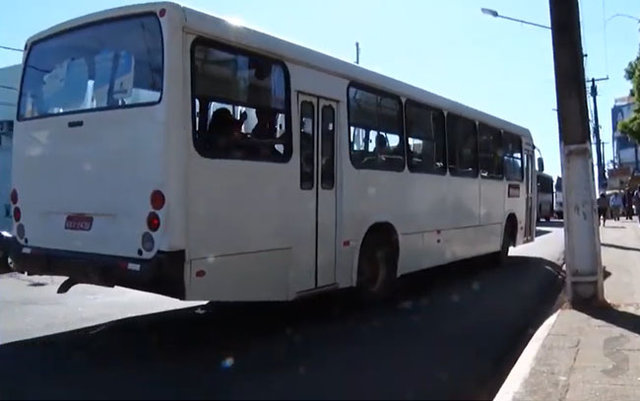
(582, 239)
(357, 52)
(602, 178)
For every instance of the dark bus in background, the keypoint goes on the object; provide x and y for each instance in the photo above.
(545, 197)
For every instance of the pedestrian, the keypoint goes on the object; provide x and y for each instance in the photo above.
(636, 202)
(625, 204)
(616, 205)
(603, 208)
(629, 204)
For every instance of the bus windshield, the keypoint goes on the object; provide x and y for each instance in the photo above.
(105, 65)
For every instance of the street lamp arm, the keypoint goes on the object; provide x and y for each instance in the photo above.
(525, 22)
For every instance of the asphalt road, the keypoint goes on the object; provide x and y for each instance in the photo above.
(452, 332)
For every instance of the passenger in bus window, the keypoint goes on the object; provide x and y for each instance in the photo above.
(225, 130)
(382, 146)
(266, 126)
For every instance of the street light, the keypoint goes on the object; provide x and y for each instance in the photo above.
(495, 14)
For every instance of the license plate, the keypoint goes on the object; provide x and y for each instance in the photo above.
(78, 222)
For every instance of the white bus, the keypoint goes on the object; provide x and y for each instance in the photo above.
(545, 196)
(167, 150)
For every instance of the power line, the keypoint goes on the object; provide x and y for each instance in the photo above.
(15, 49)
(9, 87)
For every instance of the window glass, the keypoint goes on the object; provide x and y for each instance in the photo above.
(328, 147)
(463, 146)
(307, 141)
(545, 184)
(426, 138)
(375, 130)
(106, 65)
(513, 170)
(490, 152)
(240, 103)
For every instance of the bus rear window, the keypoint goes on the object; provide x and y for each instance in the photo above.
(105, 65)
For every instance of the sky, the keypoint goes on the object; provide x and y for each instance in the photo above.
(448, 47)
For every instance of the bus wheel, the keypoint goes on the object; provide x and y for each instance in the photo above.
(377, 266)
(508, 239)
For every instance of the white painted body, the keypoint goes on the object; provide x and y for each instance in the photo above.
(247, 227)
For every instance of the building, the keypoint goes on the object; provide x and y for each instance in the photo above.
(9, 83)
(626, 152)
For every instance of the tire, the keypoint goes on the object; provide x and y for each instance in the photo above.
(377, 268)
(4, 264)
(500, 257)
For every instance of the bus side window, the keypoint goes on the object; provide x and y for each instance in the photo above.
(462, 146)
(490, 152)
(242, 104)
(375, 130)
(426, 139)
(513, 162)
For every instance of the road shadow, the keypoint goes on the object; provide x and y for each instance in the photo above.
(621, 247)
(540, 233)
(610, 314)
(450, 332)
(551, 224)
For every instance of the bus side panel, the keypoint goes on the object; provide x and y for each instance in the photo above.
(464, 243)
(492, 200)
(255, 276)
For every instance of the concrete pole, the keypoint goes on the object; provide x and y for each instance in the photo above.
(582, 239)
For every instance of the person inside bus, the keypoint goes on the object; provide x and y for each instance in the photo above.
(382, 147)
(266, 127)
(225, 131)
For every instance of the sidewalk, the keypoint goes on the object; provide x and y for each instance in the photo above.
(592, 353)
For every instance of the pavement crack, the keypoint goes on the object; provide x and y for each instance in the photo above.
(573, 362)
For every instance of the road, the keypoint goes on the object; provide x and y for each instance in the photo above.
(452, 332)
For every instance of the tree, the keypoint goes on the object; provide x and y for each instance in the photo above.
(631, 126)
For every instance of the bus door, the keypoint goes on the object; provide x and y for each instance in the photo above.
(530, 180)
(318, 120)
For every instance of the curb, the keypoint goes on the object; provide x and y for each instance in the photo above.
(525, 362)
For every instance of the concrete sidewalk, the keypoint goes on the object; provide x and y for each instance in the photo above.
(590, 353)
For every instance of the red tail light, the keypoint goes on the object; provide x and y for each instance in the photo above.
(17, 214)
(162, 12)
(157, 200)
(153, 221)
(14, 196)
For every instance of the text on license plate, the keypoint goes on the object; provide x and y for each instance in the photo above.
(78, 222)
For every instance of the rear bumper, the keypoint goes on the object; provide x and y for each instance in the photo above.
(163, 274)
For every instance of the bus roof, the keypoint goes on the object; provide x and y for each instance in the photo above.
(225, 31)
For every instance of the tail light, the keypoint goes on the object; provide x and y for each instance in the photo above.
(148, 242)
(14, 197)
(17, 214)
(157, 200)
(153, 221)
